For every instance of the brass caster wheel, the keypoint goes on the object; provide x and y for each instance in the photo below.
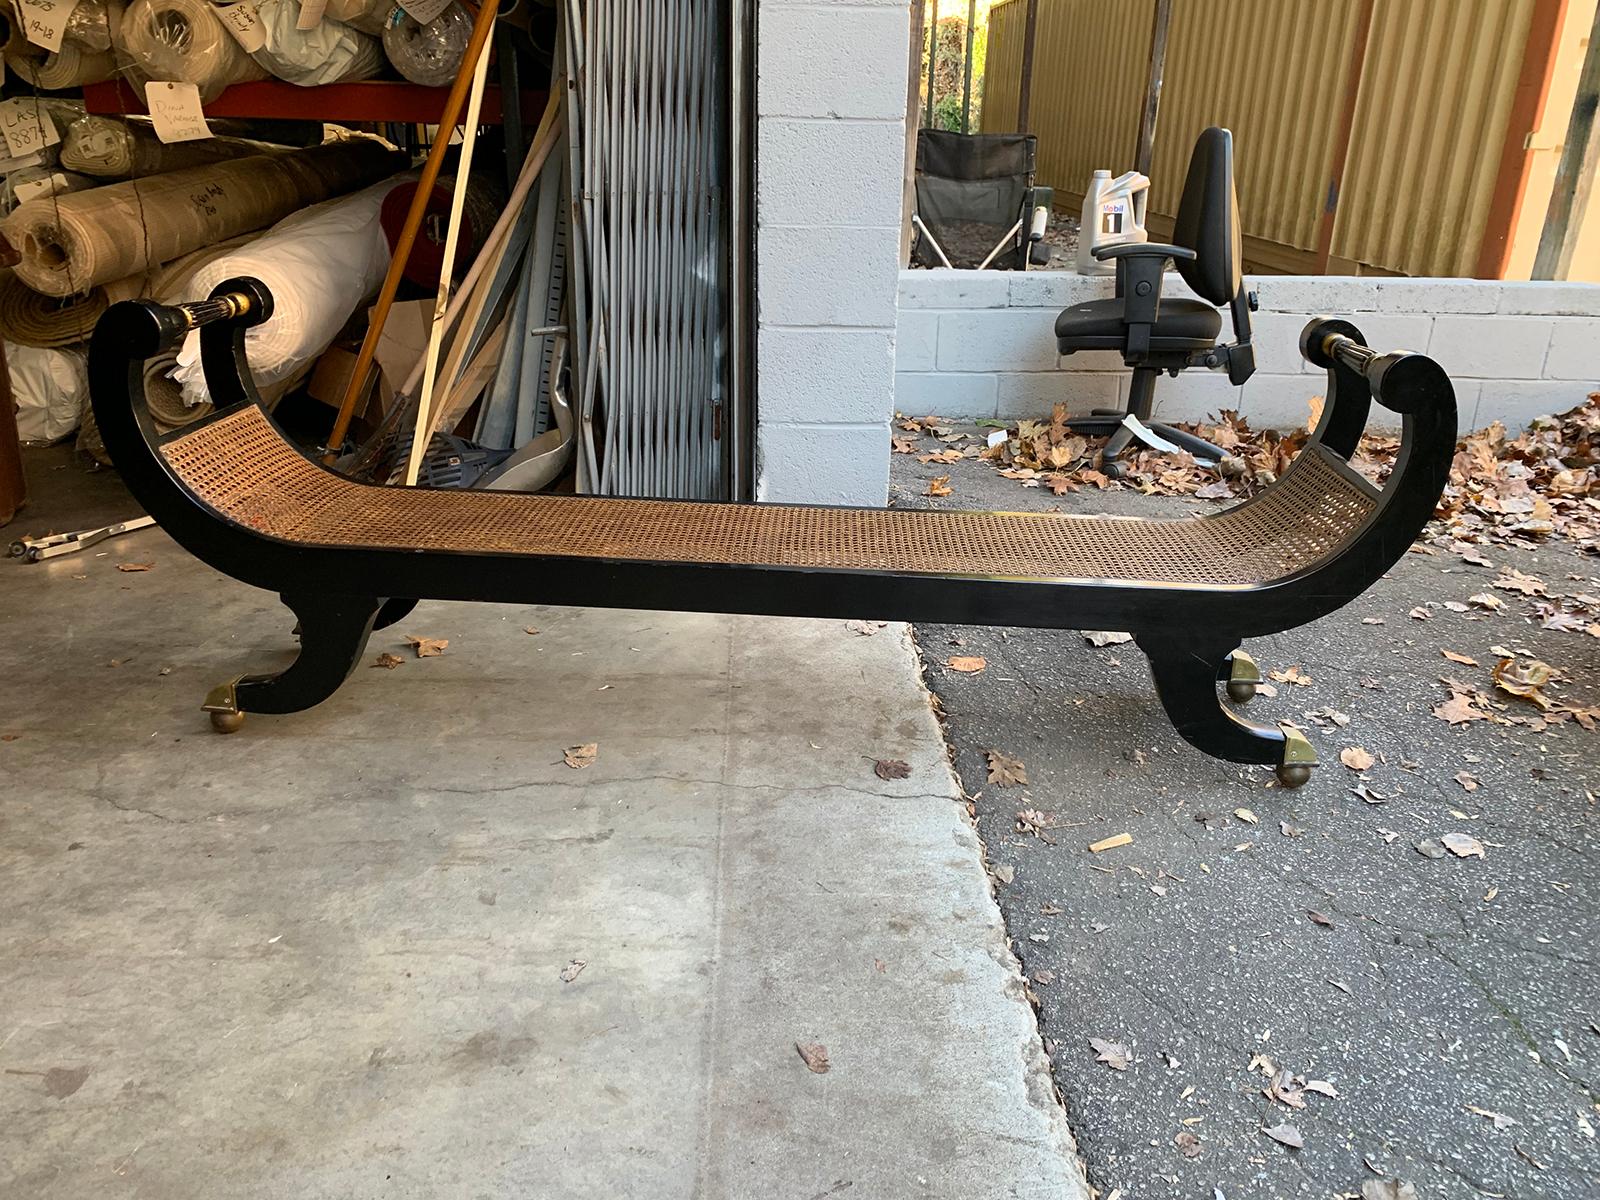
(227, 722)
(1293, 775)
(1241, 690)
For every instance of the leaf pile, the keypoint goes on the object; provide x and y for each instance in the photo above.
(1510, 491)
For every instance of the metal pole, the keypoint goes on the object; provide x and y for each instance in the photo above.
(1030, 36)
(933, 57)
(1580, 159)
(908, 199)
(1152, 94)
(966, 70)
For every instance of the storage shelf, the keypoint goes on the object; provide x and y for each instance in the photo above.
(372, 100)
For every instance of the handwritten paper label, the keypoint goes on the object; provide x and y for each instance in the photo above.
(45, 21)
(26, 126)
(175, 111)
(423, 11)
(310, 14)
(241, 21)
(34, 189)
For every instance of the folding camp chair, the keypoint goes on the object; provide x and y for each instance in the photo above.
(977, 205)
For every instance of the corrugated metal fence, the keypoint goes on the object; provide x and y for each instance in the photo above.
(1435, 93)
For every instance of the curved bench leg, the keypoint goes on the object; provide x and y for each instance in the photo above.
(333, 637)
(1186, 675)
(394, 610)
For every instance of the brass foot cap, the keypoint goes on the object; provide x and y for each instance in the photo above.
(226, 722)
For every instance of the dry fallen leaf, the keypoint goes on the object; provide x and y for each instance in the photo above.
(1463, 659)
(133, 566)
(1111, 843)
(1356, 758)
(1245, 815)
(1515, 581)
(939, 486)
(1005, 771)
(1287, 1135)
(1114, 1054)
(1523, 680)
(388, 661)
(1107, 637)
(427, 647)
(1462, 845)
(891, 768)
(1458, 710)
(1387, 1189)
(967, 664)
(1319, 918)
(1501, 1121)
(529, 629)
(1188, 1145)
(573, 969)
(865, 628)
(578, 757)
(815, 1056)
(1467, 780)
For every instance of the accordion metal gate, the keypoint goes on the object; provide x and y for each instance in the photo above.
(660, 171)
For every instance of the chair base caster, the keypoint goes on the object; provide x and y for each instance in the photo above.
(1112, 469)
(227, 722)
(1293, 775)
(1241, 690)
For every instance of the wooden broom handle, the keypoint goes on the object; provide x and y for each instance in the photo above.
(451, 113)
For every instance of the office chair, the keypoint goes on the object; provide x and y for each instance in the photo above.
(1156, 335)
(976, 202)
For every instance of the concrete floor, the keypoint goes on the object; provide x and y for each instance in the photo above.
(323, 957)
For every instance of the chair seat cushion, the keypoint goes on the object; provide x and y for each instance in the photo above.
(1179, 318)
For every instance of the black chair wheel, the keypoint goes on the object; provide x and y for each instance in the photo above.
(1293, 775)
(226, 722)
(1241, 690)
(1112, 469)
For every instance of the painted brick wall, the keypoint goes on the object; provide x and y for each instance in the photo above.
(830, 104)
(981, 344)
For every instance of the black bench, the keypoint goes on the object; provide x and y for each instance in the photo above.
(349, 557)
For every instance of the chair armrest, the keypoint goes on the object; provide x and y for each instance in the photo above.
(1143, 249)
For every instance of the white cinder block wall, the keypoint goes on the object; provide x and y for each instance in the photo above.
(982, 344)
(830, 139)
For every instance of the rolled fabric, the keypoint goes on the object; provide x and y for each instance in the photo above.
(369, 16)
(486, 196)
(184, 41)
(69, 67)
(29, 319)
(71, 243)
(85, 55)
(113, 148)
(320, 266)
(329, 52)
(430, 54)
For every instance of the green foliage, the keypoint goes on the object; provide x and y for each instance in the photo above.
(951, 44)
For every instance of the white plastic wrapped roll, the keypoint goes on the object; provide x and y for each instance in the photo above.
(320, 265)
(329, 52)
(184, 41)
(430, 54)
(369, 16)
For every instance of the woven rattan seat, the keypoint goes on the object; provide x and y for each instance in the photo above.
(242, 467)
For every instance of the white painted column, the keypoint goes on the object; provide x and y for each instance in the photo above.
(830, 104)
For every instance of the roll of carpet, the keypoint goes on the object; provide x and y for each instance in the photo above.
(114, 148)
(93, 24)
(485, 198)
(428, 54)
(184, 41)
(69, 244)
(329, 52)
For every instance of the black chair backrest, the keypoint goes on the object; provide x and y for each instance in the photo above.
(948, 155)
(1208, 220)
